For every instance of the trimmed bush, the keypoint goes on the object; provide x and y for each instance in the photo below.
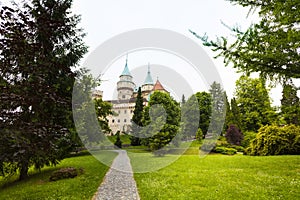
(275, 140)
(63, 173)
(234, 135)
(225, 150)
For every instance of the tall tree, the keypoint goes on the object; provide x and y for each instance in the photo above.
(137, 119)
(39, 44)
(236, 114)
(254, 103)
(290, 104)
(205, 108)
(218, 109)
(270, 46)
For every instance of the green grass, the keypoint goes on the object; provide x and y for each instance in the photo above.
(221, 177)
(38, 186)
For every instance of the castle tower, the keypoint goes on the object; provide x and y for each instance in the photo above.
(125, 85)
(148, 83)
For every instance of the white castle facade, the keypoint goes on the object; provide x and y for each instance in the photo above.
(123, 107)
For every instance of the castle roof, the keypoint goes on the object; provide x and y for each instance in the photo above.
(126, 71)
(158, 86)
(148, 80)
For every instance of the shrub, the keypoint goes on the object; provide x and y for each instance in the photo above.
(208, 145)
(275, 140)
(69, 172)
(199, 134)
(225, 150)
(234, 135)
(248, 137)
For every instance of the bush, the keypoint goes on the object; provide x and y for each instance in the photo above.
(199, 134)
(208, 145)
(234, 135)
(69, 172)
(225, 150)
(248, 137)
(275, 140)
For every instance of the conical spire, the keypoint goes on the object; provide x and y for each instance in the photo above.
(148, 80)
(126, 71)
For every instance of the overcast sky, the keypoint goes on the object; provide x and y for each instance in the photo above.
(104, 19)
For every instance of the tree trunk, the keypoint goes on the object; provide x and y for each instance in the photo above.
(23, 171)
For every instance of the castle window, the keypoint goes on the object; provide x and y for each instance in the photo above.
(125, 111)
(125, 120)
(113, 121)
(118, 120)
(123, 96)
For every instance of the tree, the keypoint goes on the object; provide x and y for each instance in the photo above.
(103, 109)
(290, 104)
(118, 141)
(137, 119)
(39, 44)
(205, 108)
(254, 103)
(218, 109)
(183, 100)
(270, 47)
(236, 114)
(234, 135)
(190, 115)
(162, 134)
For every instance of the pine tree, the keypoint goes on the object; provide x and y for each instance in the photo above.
(290, 104)
(137, 119)
(39, 44)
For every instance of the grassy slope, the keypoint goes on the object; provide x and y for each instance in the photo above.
(80, 187)
(224, 177)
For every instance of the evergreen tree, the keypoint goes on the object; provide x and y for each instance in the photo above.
(290, 104)
(137, 119)
(118, 141)
(236, 115)
(218, 109)
(183, 100)
(39, 44)
(205, 108)
(228, 117)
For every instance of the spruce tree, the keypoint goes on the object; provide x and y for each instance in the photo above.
(137, 119)
(39, 45)
(290, 104)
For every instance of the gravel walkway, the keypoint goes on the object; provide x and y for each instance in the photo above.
(118, 182)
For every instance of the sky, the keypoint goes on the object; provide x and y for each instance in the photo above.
(102, 20)
(105, 19)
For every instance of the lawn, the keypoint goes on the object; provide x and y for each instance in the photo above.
(38, 186)
(221, 177)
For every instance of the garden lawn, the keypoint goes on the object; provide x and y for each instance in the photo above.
(38, 186)
(222, 177)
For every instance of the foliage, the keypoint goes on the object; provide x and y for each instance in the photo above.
(162, 134)
(290, 104)
(88, 113)
(199, 134)
(225, 150)
(236, 114)
(275, 140)
(234, 135)
(137, 118)
(118, 141)
(248, 137)
(190, 116)
(253, 103)
(218, 112)
(103, 109)
(68, 172)
(39, 44)
(205, 109)
(270, 47)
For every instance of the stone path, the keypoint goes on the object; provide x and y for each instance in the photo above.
(118, 182)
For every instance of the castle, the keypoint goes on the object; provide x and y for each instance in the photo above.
(127, 90)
